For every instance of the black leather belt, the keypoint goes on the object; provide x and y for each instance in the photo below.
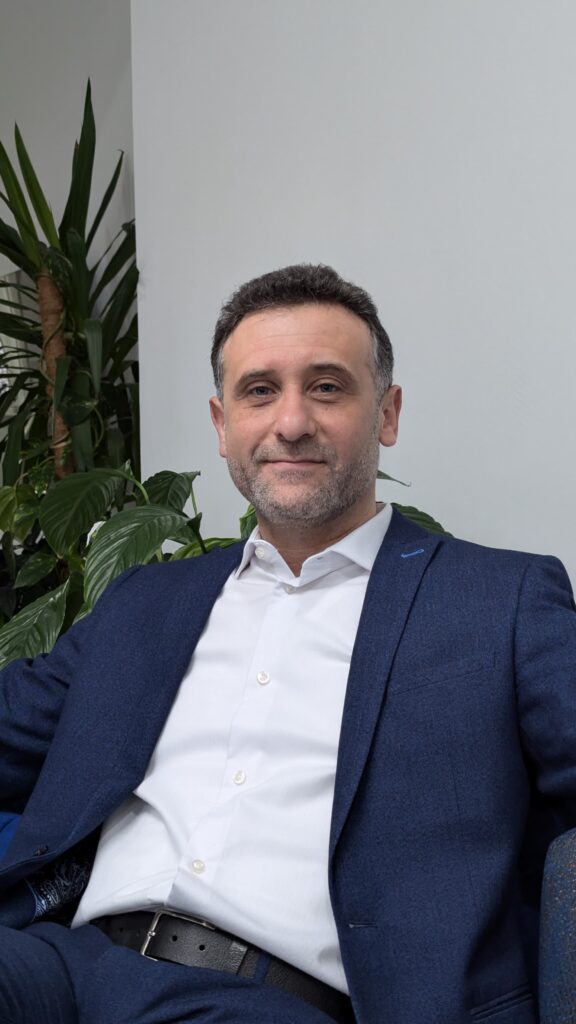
(195, 943)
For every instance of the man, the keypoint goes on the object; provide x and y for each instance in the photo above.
(328, 754)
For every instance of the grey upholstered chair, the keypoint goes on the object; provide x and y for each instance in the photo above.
(558, 933)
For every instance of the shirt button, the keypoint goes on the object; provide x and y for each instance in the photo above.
(289, 589)
(262, 553)
(263, 678)
(198, 866)
(239, 778)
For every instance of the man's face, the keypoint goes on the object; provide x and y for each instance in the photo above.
(300, 421)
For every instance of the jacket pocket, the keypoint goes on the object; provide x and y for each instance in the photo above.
(521, 996)
(426, 675)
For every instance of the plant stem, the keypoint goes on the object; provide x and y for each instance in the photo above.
(52, 313)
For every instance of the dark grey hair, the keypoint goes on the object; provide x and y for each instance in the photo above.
(295, 286)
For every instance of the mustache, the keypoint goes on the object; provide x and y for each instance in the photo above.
(298, 450)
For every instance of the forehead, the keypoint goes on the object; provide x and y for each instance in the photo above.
(298, 334)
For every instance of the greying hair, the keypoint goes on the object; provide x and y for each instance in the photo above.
(295, 286)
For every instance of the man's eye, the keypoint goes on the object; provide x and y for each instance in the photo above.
(260, 391)
(327, 388)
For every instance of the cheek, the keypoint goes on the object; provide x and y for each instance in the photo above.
(239, 436)
(355, 435)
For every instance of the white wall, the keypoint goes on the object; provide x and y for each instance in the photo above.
(48, 51)
(427, 151)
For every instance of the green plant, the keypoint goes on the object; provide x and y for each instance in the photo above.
(75, 399)
(415, 515)
(68, 380)
(93, 526)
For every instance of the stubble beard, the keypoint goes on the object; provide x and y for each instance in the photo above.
(342, 487)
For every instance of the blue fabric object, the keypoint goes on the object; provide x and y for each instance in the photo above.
(558, 933)
(8, 823)
(461, 705)
(48, 972)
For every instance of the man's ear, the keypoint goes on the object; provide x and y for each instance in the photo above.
(217, 414)
(389, 416)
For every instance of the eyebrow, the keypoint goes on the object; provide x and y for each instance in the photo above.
(259, 374)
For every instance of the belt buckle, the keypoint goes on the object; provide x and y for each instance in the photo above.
(169, 913)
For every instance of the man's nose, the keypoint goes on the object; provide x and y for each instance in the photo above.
(294, 418)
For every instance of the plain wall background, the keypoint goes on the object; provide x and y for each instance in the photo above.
(427, 151)
(47, 53)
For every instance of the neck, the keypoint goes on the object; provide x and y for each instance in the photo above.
(298, 541)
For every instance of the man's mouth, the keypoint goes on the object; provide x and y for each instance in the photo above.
(295, 462)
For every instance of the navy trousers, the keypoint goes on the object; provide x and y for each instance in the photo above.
(50, 974)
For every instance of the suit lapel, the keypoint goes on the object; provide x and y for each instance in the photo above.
(394, 581)
(165, 656)
(122, 708)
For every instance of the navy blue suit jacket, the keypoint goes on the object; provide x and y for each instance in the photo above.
(457, 760)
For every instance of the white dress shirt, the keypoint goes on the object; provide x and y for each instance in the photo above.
(231, 822)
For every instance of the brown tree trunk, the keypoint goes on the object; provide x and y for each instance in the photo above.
(51, 304)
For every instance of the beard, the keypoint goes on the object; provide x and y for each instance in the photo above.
(287, 499)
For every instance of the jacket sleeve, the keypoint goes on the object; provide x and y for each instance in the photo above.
(32, 694)
(545, 658)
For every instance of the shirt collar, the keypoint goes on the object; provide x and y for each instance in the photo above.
(360, 546)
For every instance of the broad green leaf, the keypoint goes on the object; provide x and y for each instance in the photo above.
(105, 201)
(193, 549)
(125, 251)
(35, 451)
(82, 446)
(40, 478)
(93, 332)
(421, 519)
(19, 209)
(7, 603)
(247, 522)
(74, 505)
(78, 400)
(76, 210)
(122, 399)
(35, 629)
(82, 613)
(381, 475)
(37, 197)
(25, 515)
(75, 595)
(194, 531)
(130, 538)
(80, 405)
(76, 409)
(190, 550)
(39, 565)
(62, 371)
(170, 488)
(7, 544)
(8, 503)
(115, 447)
